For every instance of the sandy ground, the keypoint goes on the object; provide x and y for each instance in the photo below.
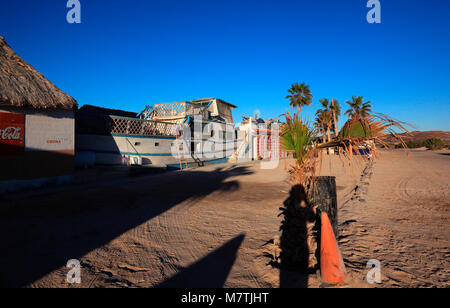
(208, 227)
(400, 215)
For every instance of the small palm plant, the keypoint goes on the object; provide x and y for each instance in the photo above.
(297, 136)
(299, 95)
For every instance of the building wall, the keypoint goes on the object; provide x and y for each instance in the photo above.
(261, 144)
(225, 111)
(50, 132)
(247, 147)
(48, 149)
(221, 109)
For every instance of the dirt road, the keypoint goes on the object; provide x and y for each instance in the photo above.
(207, 227)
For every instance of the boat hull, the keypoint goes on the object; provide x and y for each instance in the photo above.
(157, 151)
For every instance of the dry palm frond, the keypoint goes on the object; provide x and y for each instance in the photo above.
(365, 132)
(358, 135)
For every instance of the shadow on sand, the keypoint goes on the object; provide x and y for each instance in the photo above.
(209, 272)
(42, 231)
(296, 226)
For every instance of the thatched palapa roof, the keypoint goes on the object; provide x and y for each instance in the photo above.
(23, 86)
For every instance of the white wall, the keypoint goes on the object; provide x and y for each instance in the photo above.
(248, 135)
(50, 131)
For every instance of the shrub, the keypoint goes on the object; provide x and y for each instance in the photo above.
(434, 144)
(414, 144)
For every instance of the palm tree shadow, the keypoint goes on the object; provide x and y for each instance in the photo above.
(209, 272)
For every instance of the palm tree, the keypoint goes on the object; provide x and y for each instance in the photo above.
(323, 123)
(335, 109)
(299, 95)
(358, 108)
(324, 117)
(319, 123)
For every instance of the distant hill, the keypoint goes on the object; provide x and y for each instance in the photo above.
(420, 136)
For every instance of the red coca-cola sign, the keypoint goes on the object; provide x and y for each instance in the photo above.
(12, 133)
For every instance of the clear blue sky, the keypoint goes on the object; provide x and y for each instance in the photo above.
(126, 54)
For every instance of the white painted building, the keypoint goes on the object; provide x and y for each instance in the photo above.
(37, 127)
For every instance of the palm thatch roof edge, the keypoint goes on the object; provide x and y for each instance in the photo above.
(22, 86)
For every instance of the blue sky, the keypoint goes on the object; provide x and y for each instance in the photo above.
(127, 54)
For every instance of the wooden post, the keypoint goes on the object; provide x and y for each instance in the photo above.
(324, 197)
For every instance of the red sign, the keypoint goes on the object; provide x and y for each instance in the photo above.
(12, 133)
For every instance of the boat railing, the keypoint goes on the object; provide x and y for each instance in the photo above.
(178, 110)
(139, 127)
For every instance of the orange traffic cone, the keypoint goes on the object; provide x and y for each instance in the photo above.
(332, 268)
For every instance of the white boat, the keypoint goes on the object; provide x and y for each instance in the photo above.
(162, 136)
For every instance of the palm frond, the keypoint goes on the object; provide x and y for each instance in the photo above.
(358, 133)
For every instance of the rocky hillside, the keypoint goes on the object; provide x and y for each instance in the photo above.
(419, 136)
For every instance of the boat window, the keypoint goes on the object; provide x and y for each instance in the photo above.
(156, 144)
